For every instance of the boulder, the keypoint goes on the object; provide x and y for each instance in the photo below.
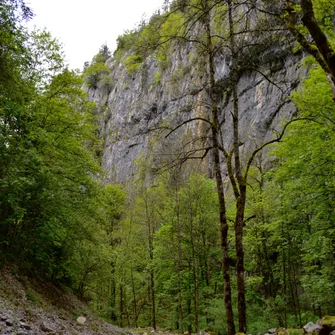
(327, 322)
(311, 327)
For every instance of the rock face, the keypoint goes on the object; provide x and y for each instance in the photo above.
(149, 98)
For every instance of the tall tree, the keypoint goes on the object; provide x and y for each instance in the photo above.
(243, 42)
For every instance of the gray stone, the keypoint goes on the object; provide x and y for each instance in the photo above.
(44, 327)
(24, 325)
(272, 331)
(9, 322)
(311, 327)
(134, 106)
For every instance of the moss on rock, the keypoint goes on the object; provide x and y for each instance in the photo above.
(327, 321)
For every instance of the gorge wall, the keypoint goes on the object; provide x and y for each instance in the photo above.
(136, 106)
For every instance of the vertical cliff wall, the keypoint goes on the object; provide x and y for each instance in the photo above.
(136, 106)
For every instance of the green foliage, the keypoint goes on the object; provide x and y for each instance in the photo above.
(153, 38)
(162, 238)
(306, 177)
(323, 11)
(127, 40)
(98, 71)
(294, 211)
(14, 56)
(53, 209)
(157, 78)
(46, 57)
(33, 297)
(133, 62)
(216, 313)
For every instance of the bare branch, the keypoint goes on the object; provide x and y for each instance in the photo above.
(275, 140)
(187, 121)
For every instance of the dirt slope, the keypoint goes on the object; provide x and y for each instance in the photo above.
(32, 306)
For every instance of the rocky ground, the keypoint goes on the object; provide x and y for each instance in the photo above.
(39, 308)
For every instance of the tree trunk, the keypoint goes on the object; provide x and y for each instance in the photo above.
(319, 37)
(242, 189)
(113, 294)
(242, 319)
(179, 264)
(134, 297)
(153, 308)
(195, 277)
(121, 306)
(151, 231)
(219, 185)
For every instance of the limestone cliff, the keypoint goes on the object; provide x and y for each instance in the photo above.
(134, 103)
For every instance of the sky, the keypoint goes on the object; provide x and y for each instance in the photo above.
(82, 26)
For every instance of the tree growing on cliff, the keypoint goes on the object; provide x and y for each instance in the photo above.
(98, 70)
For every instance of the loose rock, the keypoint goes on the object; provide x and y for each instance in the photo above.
(81, 320)
(24, 325)
(45, 328)
(9, 322)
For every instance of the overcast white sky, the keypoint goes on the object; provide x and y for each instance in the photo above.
(83, 26)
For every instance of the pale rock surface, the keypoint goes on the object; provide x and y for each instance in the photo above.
(311, 327)
(135, 104)
(81, 320)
